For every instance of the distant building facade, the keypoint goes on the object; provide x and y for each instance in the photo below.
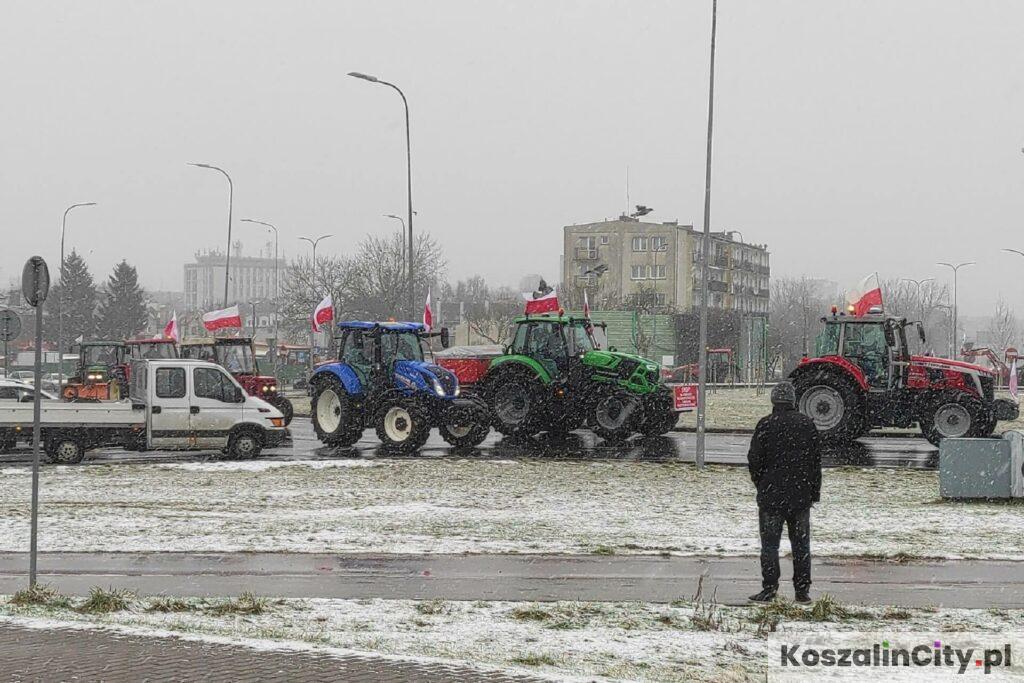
(626, 261)
(252, 281)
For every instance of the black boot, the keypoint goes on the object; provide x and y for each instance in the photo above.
(766, 595)
(803, 597)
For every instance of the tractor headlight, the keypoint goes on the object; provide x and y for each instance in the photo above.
(458, 389)
(438, 389)
(273, 387)
(265, 388)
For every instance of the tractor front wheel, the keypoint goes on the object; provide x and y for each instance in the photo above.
(515, 404)
(834, 405)
(402, 426)
(614, 415)
(953, 415)
(335, 420)
(465, 425)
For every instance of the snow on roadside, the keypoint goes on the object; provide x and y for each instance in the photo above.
(456, 506)
(607, 641)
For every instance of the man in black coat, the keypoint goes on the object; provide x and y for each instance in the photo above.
(785, 465)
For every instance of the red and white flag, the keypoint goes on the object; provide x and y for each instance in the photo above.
(428, 314)
(226, 317)
(323, 313)
(586, 305)
(1013, 379)
(541, 303)
(171, 329)
(865, 297)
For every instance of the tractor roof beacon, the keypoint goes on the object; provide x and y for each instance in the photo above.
(554, 377)
(863, 376)
(381, 379)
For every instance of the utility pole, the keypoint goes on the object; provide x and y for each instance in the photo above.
(705, 255)
(955, 268)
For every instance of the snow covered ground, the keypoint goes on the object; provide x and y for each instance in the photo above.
(480, 506)
(631, 641)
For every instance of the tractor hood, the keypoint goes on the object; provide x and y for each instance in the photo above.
(950, 365)
(421, 377)
(611, 359)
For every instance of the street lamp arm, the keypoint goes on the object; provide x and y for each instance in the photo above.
(1014, 251)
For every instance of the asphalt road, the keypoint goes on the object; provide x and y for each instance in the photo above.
(726, 449)
(975, 584)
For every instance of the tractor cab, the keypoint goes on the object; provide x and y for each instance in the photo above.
(151, 349)
(874, 345)
(557, 343)
(292, 365)
(376, 351)
(236, 355)
(102, 372)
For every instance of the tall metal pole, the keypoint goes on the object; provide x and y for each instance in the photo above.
(313, 243)
(705, 255)
(955, 268)
(402, 221)
(408, 175)
(231, 202)
(60, 299)
(277, 291)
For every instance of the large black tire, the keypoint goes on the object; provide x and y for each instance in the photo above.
(402, 425)
(245, 444)
(285, 406)
(954, 414)
(659, 416)
(834, 403)
(64, 448)
(466, 424)
(515, 400)
(336, 421)
(614, 415)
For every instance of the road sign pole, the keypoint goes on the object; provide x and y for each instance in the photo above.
(35, 285)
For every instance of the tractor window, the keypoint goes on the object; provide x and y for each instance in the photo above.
(400, 346)
(355, 352)
(237, 359)
(99, 355)
(827, 341)
(519, 342)
(582, 340)
(865, 345)
(545, 343)
(156, 351)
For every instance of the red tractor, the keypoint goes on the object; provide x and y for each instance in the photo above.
(235, 354)
(864, 377)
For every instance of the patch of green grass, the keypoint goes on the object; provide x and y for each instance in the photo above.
(823, 609)
(896, 614)
(435, 606)
(40, 595)
(246, 603)
(168, 605)
(603, 550)
(535, 659)
(102, 601)
(530, 613)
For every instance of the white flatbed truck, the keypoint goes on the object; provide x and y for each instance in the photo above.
(172, 404)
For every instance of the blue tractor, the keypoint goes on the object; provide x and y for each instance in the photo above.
(381, 380)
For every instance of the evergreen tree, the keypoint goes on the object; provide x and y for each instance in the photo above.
(75, 295)
(122, 313)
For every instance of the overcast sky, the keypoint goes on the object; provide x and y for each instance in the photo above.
(849, 136)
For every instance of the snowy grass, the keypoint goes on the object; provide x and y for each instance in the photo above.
(732, 409)
(483, 506)
(604, 641)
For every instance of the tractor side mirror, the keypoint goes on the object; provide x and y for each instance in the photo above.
(446, 339)
(920, 333)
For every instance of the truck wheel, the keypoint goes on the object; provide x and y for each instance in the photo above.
(64, 449)
(952, 415)
(465, 425)
(335, 421)
(515, 404)
(245, 445)
(834, 405)
(286, 408)
(614, 415)
(402, 426)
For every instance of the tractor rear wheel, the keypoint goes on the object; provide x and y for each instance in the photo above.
(466, 424)
(660, 416)
(952, 415)
(335, 420)
(834, 404)
(515, 403)
(402, 426)
(614, 415)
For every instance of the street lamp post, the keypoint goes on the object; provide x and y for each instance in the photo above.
(277, 291)
(949, 313)
(60, 299)
(955, 268)
(917, 291)
(402, 221)
(702, 349)
(231, 201)
(313, 243)
(408, 177)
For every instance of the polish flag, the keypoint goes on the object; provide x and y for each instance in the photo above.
(226, 317)
(586, 305)
(428, 314)
(1013, 379)
(541, 303)
(323, 313)
(171, 329)
(864, 297)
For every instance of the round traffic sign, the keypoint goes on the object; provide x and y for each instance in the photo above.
(10, 325)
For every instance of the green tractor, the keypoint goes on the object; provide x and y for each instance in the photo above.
(554, 378)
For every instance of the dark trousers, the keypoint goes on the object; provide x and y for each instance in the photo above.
(770, 526)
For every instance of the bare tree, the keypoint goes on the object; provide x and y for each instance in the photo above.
(304, 286)
(378, 287)
(797, 305)
(1002, 329)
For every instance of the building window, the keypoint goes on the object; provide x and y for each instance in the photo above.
(659, 243)
(638, 273)
(604, 239)
(656, 272)
(639, 243)
(588, 242)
